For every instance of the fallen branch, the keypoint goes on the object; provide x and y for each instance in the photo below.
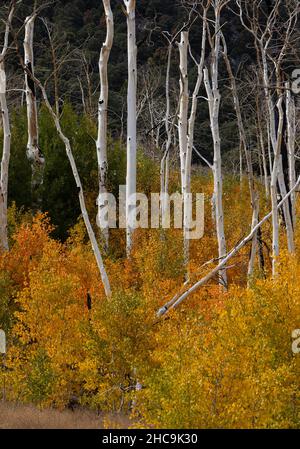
(177, 299)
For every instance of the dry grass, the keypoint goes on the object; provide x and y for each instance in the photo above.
(18, 416)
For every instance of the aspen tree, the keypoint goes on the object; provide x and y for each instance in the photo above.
(102, 115)
(263, 37)
(131, 123)
(34, 154)
(6, 136)
(211, 83)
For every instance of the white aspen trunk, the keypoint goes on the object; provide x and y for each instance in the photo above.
(182, 134)
(183, 105)
(34, 154)
(214, 99)
(101, 143)
(255, 216)
(187, 212)
(6, 138)
(263, 153)
(274, 177)
(291, 139)
(286, 210)
(131, 122)
(164, 165)
(243, 141)
(275, 138)
(5, 160)
(262, 145)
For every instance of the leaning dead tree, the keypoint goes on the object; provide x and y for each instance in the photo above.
(102, 119)
(6, 135)
(180, 297)
(69, 153)
(131, 123)
(211, 82)
(34, 154)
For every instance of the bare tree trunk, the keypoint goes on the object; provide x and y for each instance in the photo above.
(6, 138)
(214, 98)
(131, 123)
(275, 138)
(262, 145)
(187, 212)
(255, 219)
(183, 46)
(291, 138)
(183, 104)
(164, 164)
(34, 154)
(102, 116)
(274, 178)
(243, 140)
(5, 160)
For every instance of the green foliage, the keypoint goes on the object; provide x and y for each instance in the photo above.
(40, 378)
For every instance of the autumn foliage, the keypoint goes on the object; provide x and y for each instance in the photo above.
(220, 360)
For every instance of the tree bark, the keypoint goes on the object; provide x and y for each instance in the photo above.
(274, 178)
(214, 98)
(6, 138)
(131, 123)
(187, 212)
(102, 117)
(243, 141)
(183, 46)
(34, 154)
(291, 138)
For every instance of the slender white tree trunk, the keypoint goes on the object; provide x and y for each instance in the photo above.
(164, 163)
(274, 178)
(183, 104)
(286, 209)
(5, 160)
(262, 145)
(243, 141)
(131, 123)
(291, 139)
(214, 98)
(102, 117)
(183, 46)
(34, 154)
(6, 138)
(187, 212)
(275, 137)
